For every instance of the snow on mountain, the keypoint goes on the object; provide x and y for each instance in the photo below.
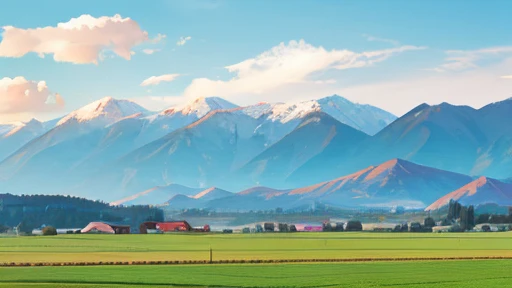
(171, 119)
(479, 192)
(366, 118)
(200, 107)
(103, 112)
(76, 124)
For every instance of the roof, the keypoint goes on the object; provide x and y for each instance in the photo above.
(102, 226)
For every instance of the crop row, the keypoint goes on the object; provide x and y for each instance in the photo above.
(252, 261)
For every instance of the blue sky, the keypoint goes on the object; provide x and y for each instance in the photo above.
(420, 34)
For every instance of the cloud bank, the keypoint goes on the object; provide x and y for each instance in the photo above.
(285, 64)
(80, 40)
(19, 95)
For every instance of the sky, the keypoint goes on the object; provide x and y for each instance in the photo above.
(58, 56)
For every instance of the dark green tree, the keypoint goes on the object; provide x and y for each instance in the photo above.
(429, 222)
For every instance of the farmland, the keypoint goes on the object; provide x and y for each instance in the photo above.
(275, 246)
(373, 274)
(71, 248)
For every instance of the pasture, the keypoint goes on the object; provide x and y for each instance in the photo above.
(485, 273)
(172, 247)
(168, 247)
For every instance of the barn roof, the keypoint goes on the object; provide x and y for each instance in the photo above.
(102, 227)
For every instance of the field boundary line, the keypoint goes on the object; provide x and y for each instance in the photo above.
(252, 261)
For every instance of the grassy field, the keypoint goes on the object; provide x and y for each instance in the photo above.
(93, 248)
(71, 248)
(467, 274)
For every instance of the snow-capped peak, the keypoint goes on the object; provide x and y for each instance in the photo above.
(103, 112)
(201, 106)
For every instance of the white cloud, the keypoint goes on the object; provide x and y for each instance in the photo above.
(155, 80)
(19, 95)
(159, 37)
(285, 64)
(328, 81)
(150, 51)
(378, 39)
(506, 77)
(183, 40)
(459, 60)
(80, 40)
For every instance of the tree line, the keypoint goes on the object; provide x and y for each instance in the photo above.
(29, 212)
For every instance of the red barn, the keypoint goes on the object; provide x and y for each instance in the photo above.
(173, 226)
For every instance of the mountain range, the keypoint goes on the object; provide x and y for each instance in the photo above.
(114, 149)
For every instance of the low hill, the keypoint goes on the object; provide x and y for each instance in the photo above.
(479, 192)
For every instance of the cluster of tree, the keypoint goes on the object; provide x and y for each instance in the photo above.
(31, 212)
(354, 225)
(401, 228)
(493, 219)
(461, 215)
(333, 227)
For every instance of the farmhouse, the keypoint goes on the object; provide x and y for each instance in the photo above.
(150, 227)
(108, 228)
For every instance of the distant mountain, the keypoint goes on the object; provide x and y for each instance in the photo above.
(453, 138)
(14, 136)
(316, 132)
(393, 183)
(43, 157)
(158, 125)
(479, 192)
(201, 154)
(157, 195)
(197, 201)
(366, 118)
(103, 112)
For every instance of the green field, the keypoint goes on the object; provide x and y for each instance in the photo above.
(167, 247)
(71, 248)
(492, 273)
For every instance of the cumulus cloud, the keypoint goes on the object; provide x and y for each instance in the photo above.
(155, 80)
(459, 60)
(286, 64)
(378, 39)
(19, 95)
(183, 40)
(80, 40)
(150, 51)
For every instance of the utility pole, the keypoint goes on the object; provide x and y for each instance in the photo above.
(211, 258)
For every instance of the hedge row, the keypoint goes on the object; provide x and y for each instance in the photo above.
(183, 262)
